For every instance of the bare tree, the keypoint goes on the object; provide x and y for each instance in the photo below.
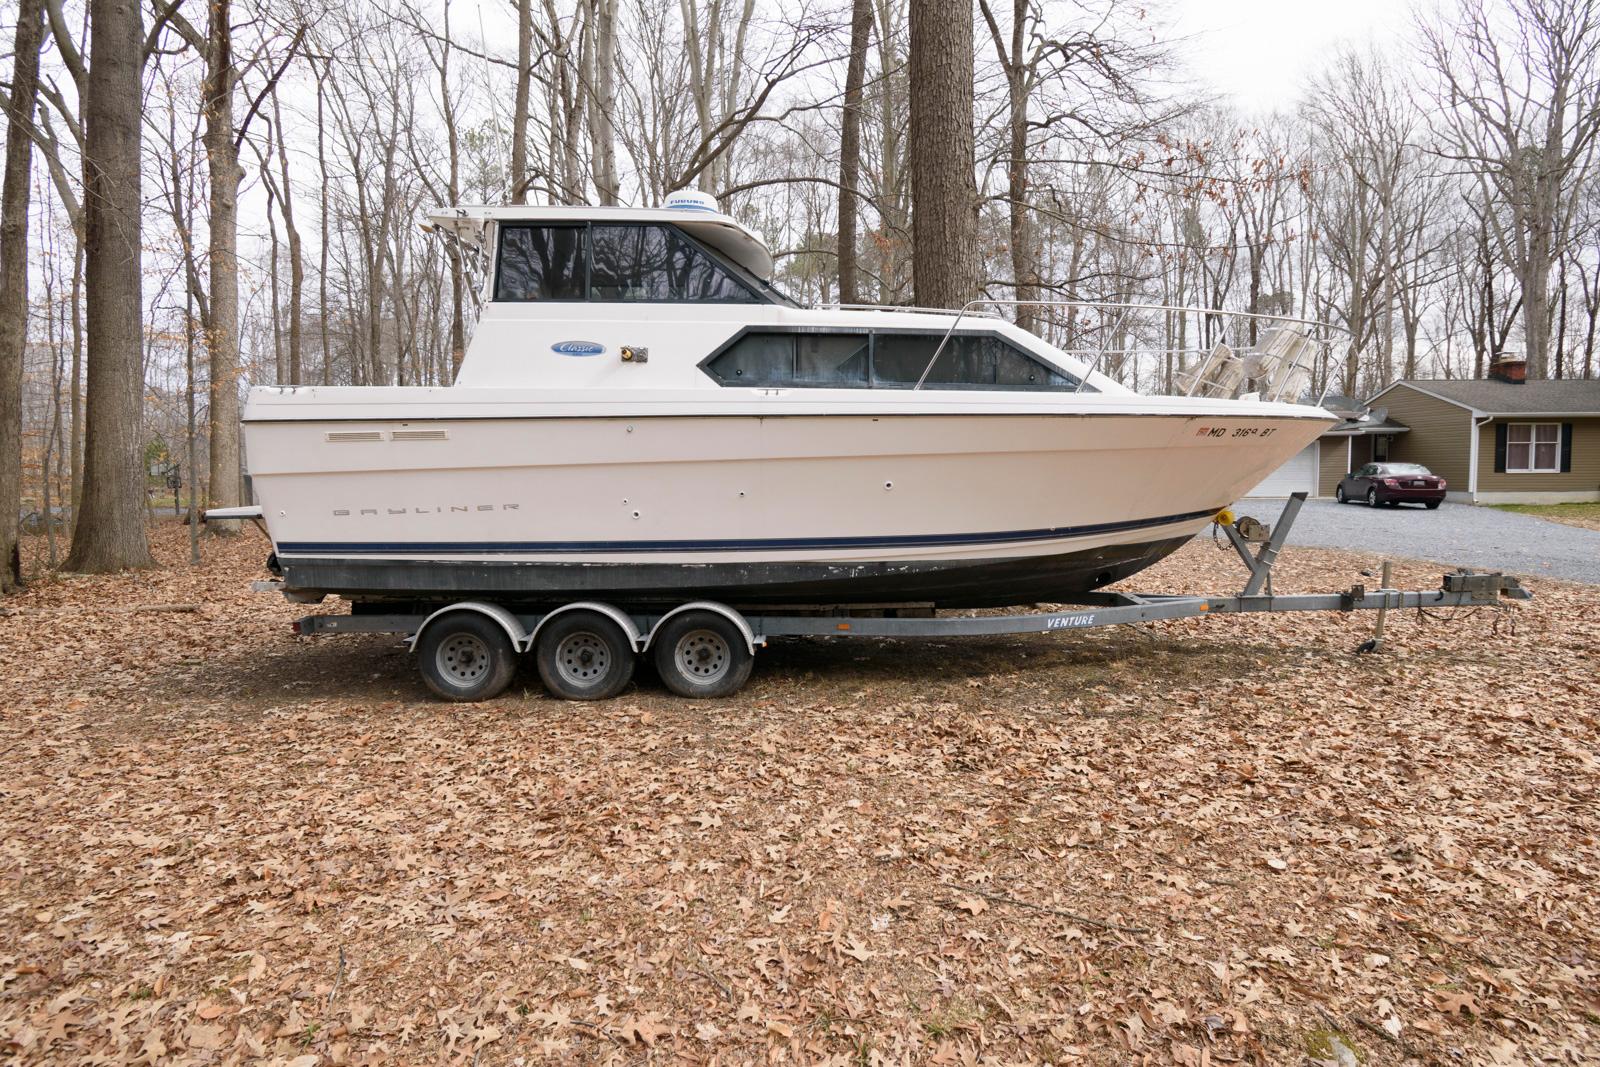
(850, 149)
(1522, 102)
(944, 193)
(519, 115)
(108, 530)
(603, 100)
(14, 280)
(222, 257)
(297, 271)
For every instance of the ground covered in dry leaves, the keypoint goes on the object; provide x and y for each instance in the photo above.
(1216, 841)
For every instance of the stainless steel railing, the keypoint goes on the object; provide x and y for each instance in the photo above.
(1281, 370)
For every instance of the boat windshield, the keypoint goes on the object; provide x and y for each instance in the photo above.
(619, 263)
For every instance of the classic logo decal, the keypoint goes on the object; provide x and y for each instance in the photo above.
(577, 348)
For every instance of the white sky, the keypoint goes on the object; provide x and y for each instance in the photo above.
(1259, 53)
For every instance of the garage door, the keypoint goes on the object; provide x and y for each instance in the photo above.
(1297, 474)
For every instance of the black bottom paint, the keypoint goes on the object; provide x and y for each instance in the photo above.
(992, 583)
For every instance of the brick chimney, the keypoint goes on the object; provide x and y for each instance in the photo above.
(1509, 367)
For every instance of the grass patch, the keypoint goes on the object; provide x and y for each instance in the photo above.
(1587, 512)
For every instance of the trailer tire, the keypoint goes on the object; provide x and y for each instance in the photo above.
(583, 655)
(466, 656)
(702, 654)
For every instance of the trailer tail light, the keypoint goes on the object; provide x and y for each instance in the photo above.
(294, 628)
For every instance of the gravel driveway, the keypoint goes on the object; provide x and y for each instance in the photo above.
(1457, 534)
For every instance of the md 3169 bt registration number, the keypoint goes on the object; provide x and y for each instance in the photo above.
(1235, 431)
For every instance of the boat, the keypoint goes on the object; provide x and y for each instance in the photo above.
(643, 418)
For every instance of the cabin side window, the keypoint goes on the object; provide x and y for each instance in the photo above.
(766, 358)
(612, 263)
(884, 360)
(968, 361)
(541, 263)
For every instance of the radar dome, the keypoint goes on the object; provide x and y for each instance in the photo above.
(692, 200)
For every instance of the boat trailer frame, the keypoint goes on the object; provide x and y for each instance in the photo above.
(1458, 589)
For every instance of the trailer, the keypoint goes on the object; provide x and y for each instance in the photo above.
(587, 650)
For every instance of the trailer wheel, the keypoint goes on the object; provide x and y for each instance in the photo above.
(465, 656)
(702, 654)
(582, 655)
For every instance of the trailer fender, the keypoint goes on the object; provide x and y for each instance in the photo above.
(616, 615)
(750, 639)
(520, 638)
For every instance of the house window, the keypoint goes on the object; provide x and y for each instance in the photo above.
(1533, 447)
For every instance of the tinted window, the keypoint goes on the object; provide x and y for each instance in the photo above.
(972, 361)
(630, 263)
(831, 359)
(757, 359)
(889, 360)
(540, 263)
(698, 277)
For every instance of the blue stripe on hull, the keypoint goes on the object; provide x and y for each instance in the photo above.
(769, 544)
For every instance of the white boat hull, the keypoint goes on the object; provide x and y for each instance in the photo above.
(895, 502)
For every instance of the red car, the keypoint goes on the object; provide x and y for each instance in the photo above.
(1391, 484)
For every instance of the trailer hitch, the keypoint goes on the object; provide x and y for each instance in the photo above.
(1491, 583)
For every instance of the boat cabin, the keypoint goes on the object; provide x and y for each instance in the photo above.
(680, 297)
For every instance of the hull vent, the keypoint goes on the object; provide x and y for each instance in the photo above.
(340, 436)
(420, 435)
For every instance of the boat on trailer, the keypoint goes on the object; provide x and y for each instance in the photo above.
(643, 419)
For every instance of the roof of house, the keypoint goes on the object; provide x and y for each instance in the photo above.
(1567, 397)
(1366, 428)
(1337, 403)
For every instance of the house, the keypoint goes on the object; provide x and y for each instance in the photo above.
(1502, 440)
(1499, 440)
(1317, 468)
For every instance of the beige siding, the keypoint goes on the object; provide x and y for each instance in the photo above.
(1584, 476)
(1333, 453)
(1440, 436)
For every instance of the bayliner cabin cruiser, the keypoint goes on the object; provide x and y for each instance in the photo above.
(642, 418)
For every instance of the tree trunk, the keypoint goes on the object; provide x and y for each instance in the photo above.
(297, 269)
(14, 284)
(223, 337)
(519, 119)
(944, 192)
(322, 223)
(280, 367)
(850, 150)
(1024, 256)
(1561, 322)
(75, 401)
(605, 89)
(108, 532)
